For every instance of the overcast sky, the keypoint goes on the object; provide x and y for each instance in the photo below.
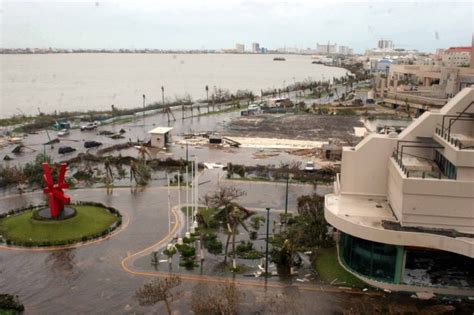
(199, 24)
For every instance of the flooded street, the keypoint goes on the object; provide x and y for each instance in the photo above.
(89, 279)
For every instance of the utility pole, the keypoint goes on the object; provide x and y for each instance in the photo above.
(47, 133)
(196, 178)
(169, 204)
(187, 200)
(179, 191)
(207, 97)
(266, 243)
(286, 197)
(187, 154)
(162, 95)
(144, 109)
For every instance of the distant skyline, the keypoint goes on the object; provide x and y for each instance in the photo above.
(180, 25)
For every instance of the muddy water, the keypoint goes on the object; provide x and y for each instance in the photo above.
(89, 279)
(80, 82)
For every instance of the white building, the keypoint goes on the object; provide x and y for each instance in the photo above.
(385, 44)
(160, 137)
(255, 47)
(456, 56)
(240, 48)
(326, 49)
(345, 50)
(403, 205)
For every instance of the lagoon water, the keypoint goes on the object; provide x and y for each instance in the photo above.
(80, 82)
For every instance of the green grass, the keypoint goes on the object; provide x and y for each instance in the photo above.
(206, 212)
(89, 220)
(327, 266)
(226, 110)
(206, 215)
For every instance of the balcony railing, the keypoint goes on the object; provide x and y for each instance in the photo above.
(436, 174)
(448, 122)
(453, 140)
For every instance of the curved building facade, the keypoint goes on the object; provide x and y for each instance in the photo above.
(403, 205)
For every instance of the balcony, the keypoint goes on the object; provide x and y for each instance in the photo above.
(440, 202)
(458, 137)
(415, 101)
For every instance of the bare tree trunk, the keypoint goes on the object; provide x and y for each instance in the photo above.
(226, 248)
(168, 306)
(233, 248)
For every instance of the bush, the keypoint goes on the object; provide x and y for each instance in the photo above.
(10, 302)
(214, 246)
(186, 251)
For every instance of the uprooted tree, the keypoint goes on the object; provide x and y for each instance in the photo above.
(220, 299)
(159, 290)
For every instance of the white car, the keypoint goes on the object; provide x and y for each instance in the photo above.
(63, 132)
(309, 167)
(89, 126)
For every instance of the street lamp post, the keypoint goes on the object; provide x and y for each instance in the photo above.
(266, 243)
(163, 95)
(144, 108)
(286, 197)
(207, 97)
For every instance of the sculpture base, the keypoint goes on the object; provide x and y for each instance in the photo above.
(45, 214)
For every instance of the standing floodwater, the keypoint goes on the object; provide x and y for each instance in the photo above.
(77, 82)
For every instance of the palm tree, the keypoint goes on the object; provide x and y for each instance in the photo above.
(109, 177)
(229, 214)
(231, 217)
(143, 153)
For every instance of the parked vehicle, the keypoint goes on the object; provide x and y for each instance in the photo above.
(64, 150)
(63, 132)
(89, 126)
(309, 167)
(92, 144)
(254, 107)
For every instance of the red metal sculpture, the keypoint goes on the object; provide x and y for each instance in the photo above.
(57, 198)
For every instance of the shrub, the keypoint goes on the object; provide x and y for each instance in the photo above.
(10, 302)
(186, 251)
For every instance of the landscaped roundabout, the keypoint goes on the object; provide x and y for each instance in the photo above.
(85, 221)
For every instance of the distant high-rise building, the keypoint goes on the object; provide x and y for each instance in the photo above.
(385, 44)
(326, 49)
(240, 48)
(472, 52)
(345, 50)
(255, 47)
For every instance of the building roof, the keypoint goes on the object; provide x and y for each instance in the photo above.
(160, 130)
(459, 49)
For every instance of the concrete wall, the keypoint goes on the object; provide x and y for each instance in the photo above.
(158, 140)
(377, 233)
(364, 169)
(427, 202)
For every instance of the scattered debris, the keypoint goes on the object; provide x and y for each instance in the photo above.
(53, 141)
(116, 136)
(64, 150)
(213, 165)
(92, 144)
(302, 280)
(106, 133)
(20, 148)
(424, 295)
